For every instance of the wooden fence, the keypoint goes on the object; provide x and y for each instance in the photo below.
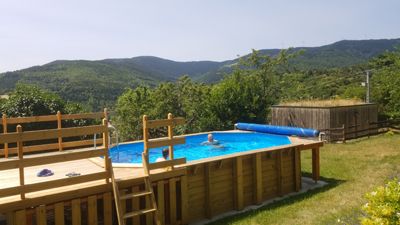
(344, 133)
(58, 144)
(22, 162)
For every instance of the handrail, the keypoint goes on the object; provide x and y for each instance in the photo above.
(5, 121)
(58, 157)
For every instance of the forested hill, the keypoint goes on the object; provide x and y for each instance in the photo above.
(101, 82)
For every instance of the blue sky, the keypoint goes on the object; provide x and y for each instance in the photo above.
(37, 32)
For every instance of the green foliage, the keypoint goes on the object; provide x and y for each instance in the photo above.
(29, 100)
(245, 96)
(383, 206)
(386, 83)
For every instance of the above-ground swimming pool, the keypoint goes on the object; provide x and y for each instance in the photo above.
(229, 142)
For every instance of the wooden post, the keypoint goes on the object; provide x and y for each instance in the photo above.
(4, 119)
(160, 202)
(208, 189)
(257, 178)
(172, 200)
(21, 167)
(170, 136)
(41, 218)
(59, 128)
(106, 114)
(107, 160)
(279, 171)
(297, 168)
(315, 164)
(238, 186)
(59, 213)
(76, 211)
(145, 135)
(184, 200)
(368, 134)
(107, 208)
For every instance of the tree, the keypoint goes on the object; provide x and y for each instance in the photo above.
(131, 106)
(386, 83)
(27, 100)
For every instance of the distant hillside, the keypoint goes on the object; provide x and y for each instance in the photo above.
(99, 83)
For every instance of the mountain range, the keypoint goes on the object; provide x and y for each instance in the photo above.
(105, 80)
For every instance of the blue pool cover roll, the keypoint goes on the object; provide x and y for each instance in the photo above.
(282, 130)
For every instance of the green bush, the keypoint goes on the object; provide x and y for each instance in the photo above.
(383, 206)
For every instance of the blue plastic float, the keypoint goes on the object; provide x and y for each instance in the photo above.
(282, 130)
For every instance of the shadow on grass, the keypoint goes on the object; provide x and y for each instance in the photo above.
(331, 183)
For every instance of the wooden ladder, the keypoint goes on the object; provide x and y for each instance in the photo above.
(170, 122)
(147, 192)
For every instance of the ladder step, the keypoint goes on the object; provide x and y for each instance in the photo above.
(135, 195)
(138, 213)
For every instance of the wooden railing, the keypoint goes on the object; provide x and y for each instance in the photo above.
(21, 163)
(59, 118)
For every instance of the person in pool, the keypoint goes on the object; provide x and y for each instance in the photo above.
(165, 153)
(212, 141)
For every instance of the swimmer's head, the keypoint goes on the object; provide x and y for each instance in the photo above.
(210, 138)
(165, 153)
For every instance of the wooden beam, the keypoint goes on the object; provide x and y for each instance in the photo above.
(92, 209)
(257, 184)
(59, 213)
(107, 208)
(31, 119)
(96, 115)
(172, 200)
(20, 146)
(41, 218)
(171, 136)
(167, 163)
(297, 168)
(59, 127)
(161, 201)
(4, 121)
(76, 211)
(65, 156)
(184, 201)
(52, 146)
(160, 142)
(279, 171)
(315, 164)
(238, 183)
(165, 122)
(145, 135)
(208, 188)
(20, 217)
(64, 182)
(51, 134)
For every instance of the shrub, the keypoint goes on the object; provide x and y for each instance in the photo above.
(383, 206)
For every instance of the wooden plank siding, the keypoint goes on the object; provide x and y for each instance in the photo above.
(357, 119)
(233, 184)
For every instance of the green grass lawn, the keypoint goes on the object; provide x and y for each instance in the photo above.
(351, 169)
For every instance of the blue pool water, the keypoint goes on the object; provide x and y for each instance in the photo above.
(231, 142)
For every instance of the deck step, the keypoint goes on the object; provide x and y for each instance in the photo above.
(138, 213)
(135, 195)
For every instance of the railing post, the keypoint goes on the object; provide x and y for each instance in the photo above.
(145, 134)
(59, 126)
(4, 119)
(21, 167)
(170, 136)
(106, 114)
(107, 161)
